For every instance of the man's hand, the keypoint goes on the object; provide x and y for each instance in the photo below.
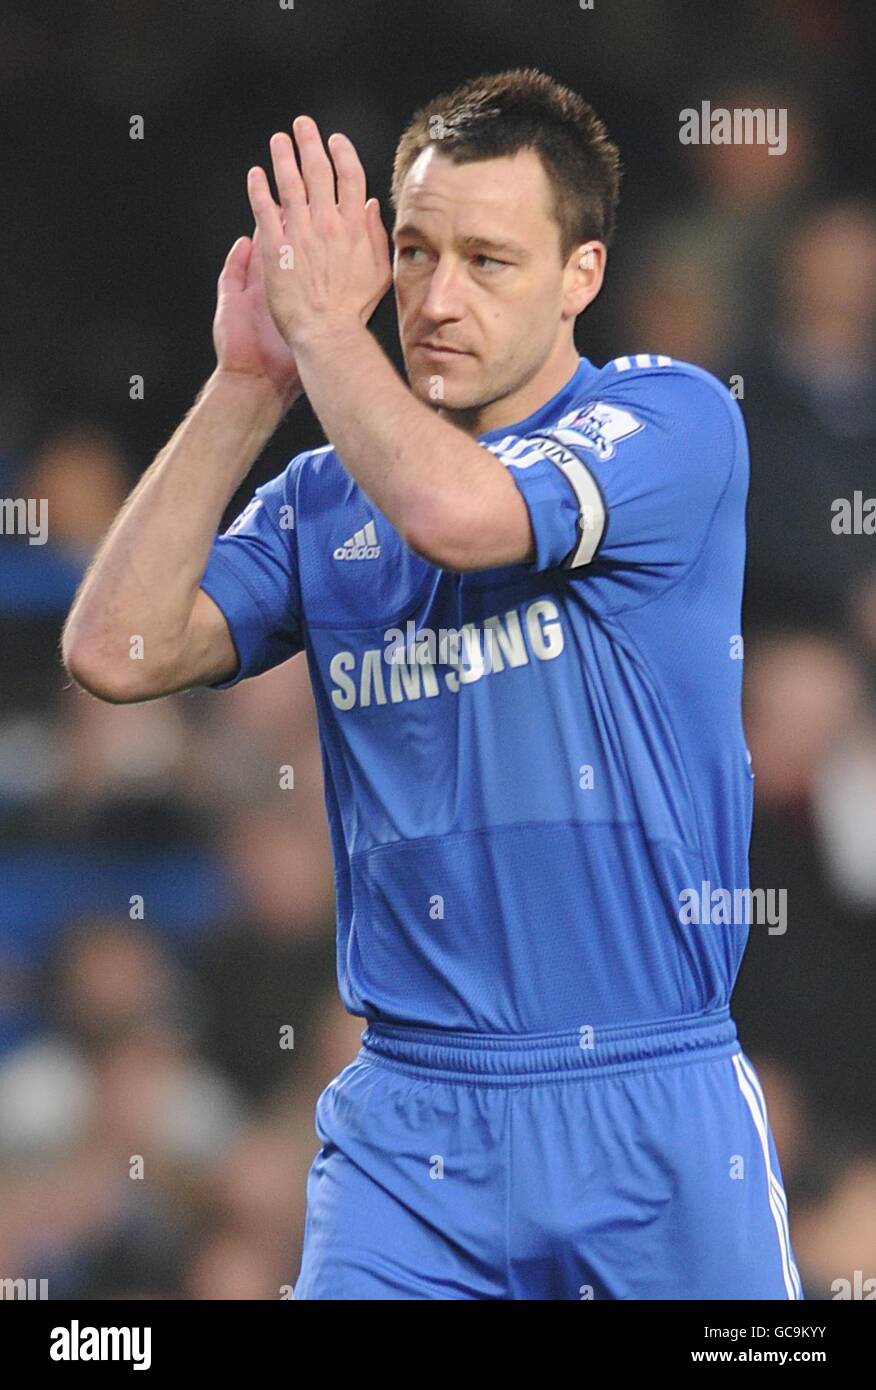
(325, 260)
(245, 337)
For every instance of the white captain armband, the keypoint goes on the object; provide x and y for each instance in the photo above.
(592, 515)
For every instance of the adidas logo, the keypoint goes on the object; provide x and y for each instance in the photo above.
(362, 545)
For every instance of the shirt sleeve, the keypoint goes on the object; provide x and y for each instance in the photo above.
(634, 478)
(252, 575)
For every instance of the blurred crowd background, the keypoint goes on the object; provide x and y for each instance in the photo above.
(157, 1032)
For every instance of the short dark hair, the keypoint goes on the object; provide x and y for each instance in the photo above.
(499, 114)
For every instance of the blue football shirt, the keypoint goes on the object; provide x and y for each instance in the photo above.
(526, 768)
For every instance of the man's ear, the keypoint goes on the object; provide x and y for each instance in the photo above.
(584, 273)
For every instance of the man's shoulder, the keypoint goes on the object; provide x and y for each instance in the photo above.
(321, 462)
(647, 394)
(316, 472)
(659, 382)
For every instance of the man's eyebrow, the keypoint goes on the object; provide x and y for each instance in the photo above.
(469, 243)
(514, 247)
(407, 229)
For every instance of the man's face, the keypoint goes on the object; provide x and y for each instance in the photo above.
(477, 268)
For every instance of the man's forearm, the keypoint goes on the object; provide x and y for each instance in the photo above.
(422, 472)
(147, 570)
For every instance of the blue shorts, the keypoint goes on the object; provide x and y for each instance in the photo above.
(636, 1163)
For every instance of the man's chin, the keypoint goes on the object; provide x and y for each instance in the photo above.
(438, 388)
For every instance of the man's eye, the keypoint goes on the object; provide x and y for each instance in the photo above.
(408, 252)
(491, 262)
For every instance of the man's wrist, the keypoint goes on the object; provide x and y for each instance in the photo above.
(258, 391)
(325, 334)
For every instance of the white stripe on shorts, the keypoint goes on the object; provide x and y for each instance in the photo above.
(776, 1186)
(750, 1088)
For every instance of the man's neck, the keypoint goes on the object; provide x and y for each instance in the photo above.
(551, 377)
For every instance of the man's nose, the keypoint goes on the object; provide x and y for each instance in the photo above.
(444, 293)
